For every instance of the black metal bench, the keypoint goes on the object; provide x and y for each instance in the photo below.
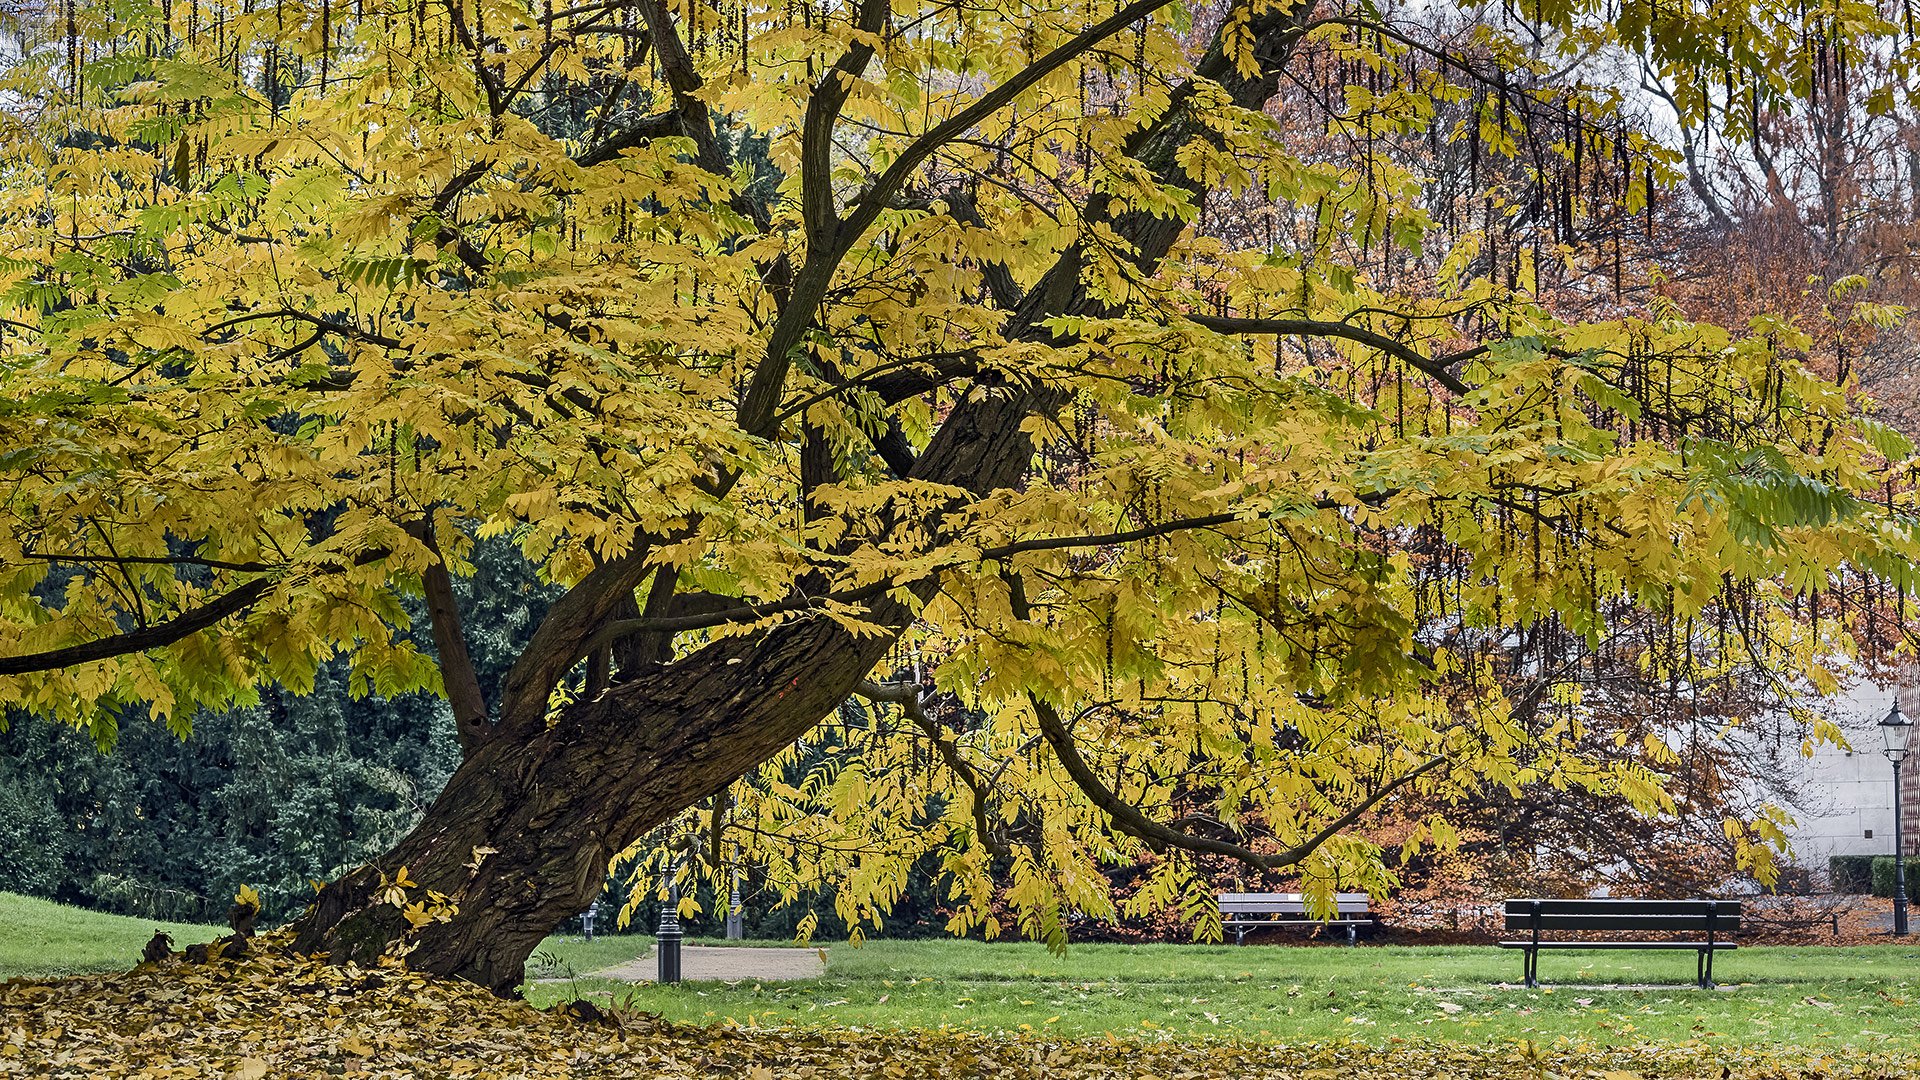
(1707, 924)
(1240, 912)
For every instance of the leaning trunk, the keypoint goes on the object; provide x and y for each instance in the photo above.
(556, 804)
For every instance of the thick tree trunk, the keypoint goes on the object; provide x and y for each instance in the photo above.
(555, 807)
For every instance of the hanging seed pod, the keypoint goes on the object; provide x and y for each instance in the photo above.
(1473, 146)
(1106, 674)
(1650, 201)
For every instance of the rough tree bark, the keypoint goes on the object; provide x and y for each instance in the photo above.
(555, 801)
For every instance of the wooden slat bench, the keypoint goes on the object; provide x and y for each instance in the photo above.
(1240, 912)
(1707, 925)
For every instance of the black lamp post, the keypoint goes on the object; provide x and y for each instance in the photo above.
(1893, 738)
(735, 931)
(667, 937)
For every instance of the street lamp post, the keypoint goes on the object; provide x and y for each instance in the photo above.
(735, 931)
(1893, 739)
(667, 937)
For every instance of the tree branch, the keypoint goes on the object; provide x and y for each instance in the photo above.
(868, 206)
(907, 696)
(155, 636)
(1326, 328)
(637, 134)
(344, 329)
(761, 399)
(895, 380)
(998, 278)
(817, 210)
(710, 615)
(151, 560)
(684, 79)
(567, 632)
(1130, 820)
(457, 674)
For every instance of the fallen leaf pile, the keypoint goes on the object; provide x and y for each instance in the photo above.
(272, 1014)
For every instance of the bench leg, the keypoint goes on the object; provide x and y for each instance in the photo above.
(1239, 935)
(1706, 969)
(1353, 934)
(1530, 968)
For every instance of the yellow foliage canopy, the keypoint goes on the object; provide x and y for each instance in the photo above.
(305, 300)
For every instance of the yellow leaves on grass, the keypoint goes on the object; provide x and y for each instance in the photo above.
(275, 1015)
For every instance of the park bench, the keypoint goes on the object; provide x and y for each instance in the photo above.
(1240, 912)
(1706, 925)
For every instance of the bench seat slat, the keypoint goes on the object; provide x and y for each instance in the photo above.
(1615, 906)
(1549, 923)
(1289, 921)
(1293, 897)
(1716, 945)
(1291, 908)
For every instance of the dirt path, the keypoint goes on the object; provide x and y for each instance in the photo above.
(717, 963)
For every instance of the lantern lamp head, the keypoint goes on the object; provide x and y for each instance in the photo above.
(1893, 733)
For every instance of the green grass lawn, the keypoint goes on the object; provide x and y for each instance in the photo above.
(40, 938)
(1823, 1000)
(1832, 998)
(569, 956)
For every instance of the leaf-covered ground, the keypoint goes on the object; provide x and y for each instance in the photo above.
(273, 1015)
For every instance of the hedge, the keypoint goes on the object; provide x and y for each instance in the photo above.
(1852, 874)
(1883, 876)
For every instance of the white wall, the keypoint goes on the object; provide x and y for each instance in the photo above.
(1847, 795)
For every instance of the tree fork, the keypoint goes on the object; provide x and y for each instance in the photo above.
(556, 801)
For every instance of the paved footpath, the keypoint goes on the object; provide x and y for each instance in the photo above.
(719, 963)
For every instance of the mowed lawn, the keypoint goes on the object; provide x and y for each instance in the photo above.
(1813, 997)
(39, 938)
(1818, 999)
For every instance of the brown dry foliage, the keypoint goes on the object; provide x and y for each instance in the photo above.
(277, 1015)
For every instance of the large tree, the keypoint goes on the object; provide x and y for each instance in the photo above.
(1198, 433)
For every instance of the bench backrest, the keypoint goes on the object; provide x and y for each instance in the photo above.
(1287, 903)
(1720, 916)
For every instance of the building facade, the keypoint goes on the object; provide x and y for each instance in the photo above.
(1844, 797)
